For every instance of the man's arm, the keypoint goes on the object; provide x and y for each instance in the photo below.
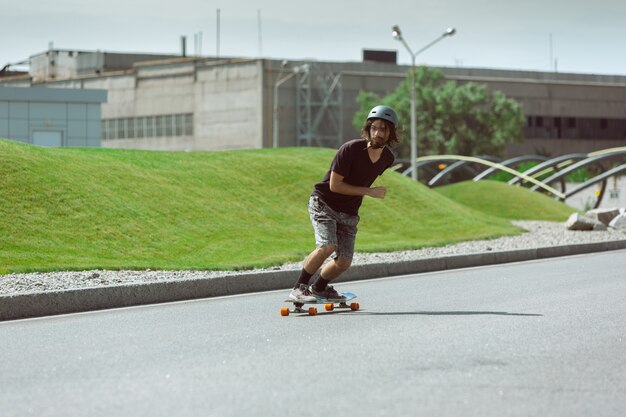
(337, 185)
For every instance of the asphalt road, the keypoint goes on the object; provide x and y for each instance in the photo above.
(539, 338)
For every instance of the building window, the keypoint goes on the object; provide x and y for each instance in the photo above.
(604, 124)
(179, 125)
(189, 124)
(150, 127)
(147, 127)
(158, 131)
(168, 125)
(131, 128)
(139, 126)
(121, 128)
(112, 129)
(539, 121)
(571, 123)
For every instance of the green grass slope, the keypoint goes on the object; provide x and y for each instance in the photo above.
(509, 202)
(84, 208)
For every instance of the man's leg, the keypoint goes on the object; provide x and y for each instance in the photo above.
(313, 262)
(325, 230)
(336, 267)
(346, 237)
(331, 272)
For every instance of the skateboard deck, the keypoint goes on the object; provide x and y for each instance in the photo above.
(329, 305)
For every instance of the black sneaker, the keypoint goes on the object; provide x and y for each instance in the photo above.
(301, 293)
(328, 293)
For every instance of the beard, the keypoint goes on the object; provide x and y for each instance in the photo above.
(377, 144)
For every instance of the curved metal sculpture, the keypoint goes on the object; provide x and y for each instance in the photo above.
(563, 165)
(492, 164)
(596, 158)
(602, 177)
(510, 162)
(599, 156)
(550, 165)
(459, 164)
(420, 164)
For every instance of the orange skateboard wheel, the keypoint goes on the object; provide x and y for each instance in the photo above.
(284, 311)
(354, 306)
(329, 307)
(312, 311)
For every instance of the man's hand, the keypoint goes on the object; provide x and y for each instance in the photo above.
(378, 192)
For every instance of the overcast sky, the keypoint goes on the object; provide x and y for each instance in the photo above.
(571, 35)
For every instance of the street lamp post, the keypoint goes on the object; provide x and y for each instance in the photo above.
(397, 34)
(275, 113)
(294, 71)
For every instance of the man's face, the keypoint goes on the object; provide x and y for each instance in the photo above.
(379, 134)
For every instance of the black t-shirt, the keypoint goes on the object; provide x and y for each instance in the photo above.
(352, 161)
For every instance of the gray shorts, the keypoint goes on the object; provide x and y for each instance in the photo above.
(333, 228)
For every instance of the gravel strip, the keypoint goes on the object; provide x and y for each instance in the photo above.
(539, 234)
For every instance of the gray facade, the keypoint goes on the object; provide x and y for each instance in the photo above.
(57, 64)
(197, 103)
(51, 117)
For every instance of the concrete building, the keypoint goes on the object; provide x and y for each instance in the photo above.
(51, 117)
(59, 64)
(191, 103)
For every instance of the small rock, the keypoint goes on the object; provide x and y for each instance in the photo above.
(599, 227)
(578, 222)
(604, 216)
(619, 222)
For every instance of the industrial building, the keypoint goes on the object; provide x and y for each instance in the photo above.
(202, 103)
(51, 117)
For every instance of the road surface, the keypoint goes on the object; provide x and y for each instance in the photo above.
(540, 338)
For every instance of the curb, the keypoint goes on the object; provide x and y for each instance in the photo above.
(31, 305)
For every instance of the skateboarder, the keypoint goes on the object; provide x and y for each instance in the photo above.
(335, 202)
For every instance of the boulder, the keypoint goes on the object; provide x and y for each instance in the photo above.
(599, 227)
(579, 222)
(619, 222)
(603, 215)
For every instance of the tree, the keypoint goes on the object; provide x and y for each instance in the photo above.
(451, 119)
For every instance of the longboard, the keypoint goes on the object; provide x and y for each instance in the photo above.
(329, 305)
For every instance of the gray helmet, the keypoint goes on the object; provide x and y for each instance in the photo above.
(384, 112)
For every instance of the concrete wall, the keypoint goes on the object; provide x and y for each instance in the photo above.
(51, 117)
(52, 65)
(229, 107)
(556, 147)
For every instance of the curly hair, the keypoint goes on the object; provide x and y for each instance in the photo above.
(393, 134)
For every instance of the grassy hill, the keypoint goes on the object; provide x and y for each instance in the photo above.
(80, 208)
(502, 200)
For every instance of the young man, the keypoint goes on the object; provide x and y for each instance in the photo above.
(335, 202)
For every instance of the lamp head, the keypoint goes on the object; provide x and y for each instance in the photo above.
(450, 32)
(396, 33)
